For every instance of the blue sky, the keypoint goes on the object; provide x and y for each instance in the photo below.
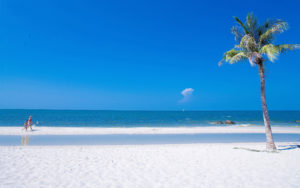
(138, 55)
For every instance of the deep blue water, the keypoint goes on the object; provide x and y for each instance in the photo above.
(99, 118)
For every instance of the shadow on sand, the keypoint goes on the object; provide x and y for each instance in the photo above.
(289, 147)
(280, 148)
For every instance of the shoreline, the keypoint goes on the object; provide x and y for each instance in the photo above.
(259, 146)
(142, 130)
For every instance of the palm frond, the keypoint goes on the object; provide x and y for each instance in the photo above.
(277, 27)
(287, 47)
(261, 29)
(251, 23)
(271, 51)
(267, 25)
(238, 34)
(233, 56)
(228, 55)
(238, 57)
(254, 42)
(241, 24)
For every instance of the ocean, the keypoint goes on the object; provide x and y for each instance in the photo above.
(106, 118)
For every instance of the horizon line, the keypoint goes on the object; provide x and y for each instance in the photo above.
(133, 110)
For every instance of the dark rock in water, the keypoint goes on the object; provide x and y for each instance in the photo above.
(229, 122)
(297, 121)
(217, 122)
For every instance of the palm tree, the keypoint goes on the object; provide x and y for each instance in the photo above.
(255, 44)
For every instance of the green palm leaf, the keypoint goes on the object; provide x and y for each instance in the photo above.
(228, 55)
(251, 23)
(238, 57)
(287, 47)
(255, 42)
(279, 26)
(238, 34)
(241, 24)
(271, 51)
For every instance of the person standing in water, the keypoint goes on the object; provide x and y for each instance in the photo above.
(28, 123)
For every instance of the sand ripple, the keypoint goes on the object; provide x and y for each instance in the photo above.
(186, 165)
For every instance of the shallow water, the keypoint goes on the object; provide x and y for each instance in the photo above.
(136, 139)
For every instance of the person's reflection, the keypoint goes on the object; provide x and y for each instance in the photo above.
(25, 140)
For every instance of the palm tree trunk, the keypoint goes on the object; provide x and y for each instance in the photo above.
(270, 142)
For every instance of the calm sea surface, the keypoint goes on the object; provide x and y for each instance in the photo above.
(99, 118)
(136, 139)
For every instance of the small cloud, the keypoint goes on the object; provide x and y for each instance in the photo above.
(187, 93)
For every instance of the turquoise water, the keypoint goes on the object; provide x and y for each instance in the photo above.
(134, 139)
(98, 118)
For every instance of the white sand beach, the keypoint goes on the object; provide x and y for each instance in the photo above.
(159, 165)
(142, 130)
(180, 165)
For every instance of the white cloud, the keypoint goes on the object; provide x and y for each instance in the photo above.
(187, 93)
